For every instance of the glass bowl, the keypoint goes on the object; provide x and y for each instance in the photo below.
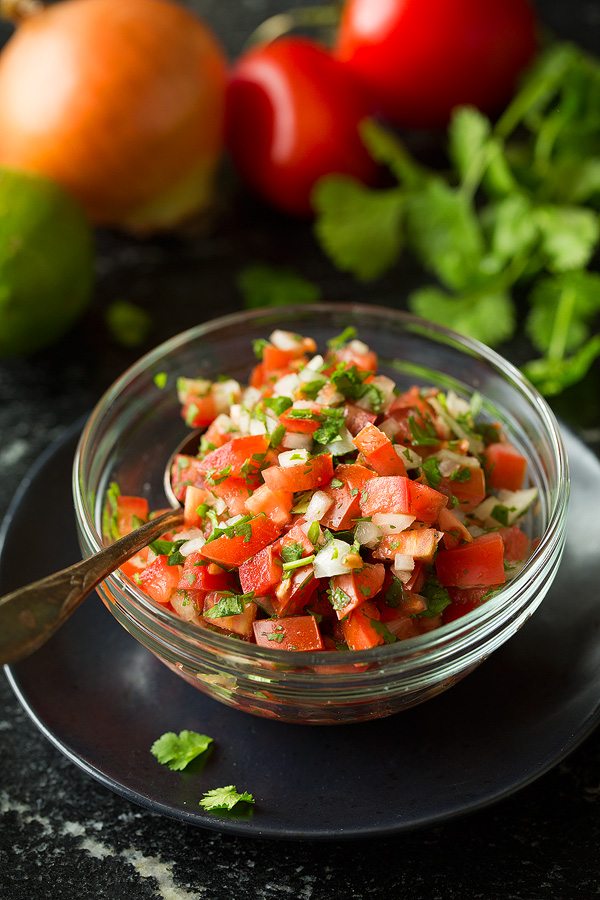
(135, 427)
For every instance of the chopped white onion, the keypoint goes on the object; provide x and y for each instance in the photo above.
(286, 386)
(219, 506)
(403, 562)
(233, 520)
(185, 607)
(328, 396)
(315, 363)
(309, 376)
(451, 462)
(192, 545)
(484, 511)
(343, 444)
(455, 405)
(197, 387)
(318, 506)
(386, 386)
(408, 456)
(358, 347)
(226, 393)
(392, 523)
(291, 458)
(328, 561)
(368, 534)
(293, 441)
(223, 423)
(286, 340)
(257, 427)
(475, 531)
(390, 427)
(250, 397)
(188, 534)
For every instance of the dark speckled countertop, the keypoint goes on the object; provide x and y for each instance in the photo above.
(64, 836)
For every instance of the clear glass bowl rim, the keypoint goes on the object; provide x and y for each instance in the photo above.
(467, 627)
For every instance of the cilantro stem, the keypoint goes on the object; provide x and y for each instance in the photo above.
(540, 87)
(298, 563)
(562, 321)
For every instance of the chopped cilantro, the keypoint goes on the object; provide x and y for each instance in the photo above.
(178, 750)
(277, 436)
(502, 513)
(291, 552)
(332, 421)
(422, 435)
(383, 631)
(462, 474)
(277, 636)
(437, 597)
(277, 404)
(336, 483)
(298, 563)
(224, 798)
(160, 380)
(338, 598)
(242, 528)
(110, 528)
(348, 334)
(431, 468)
(229, 605)
(258, 347)
(314, 533)
(394, 595)
(217, 477)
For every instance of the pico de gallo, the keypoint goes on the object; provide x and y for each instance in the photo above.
(328, 510)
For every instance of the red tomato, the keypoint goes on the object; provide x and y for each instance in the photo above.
(261, 573)
(379, 451)
(159, 580)
(293, 633)
(276, 505)
(505, 467)
(185, 470)
(517, 545)
(298, 425)
(233, 551)
(197, 575)
(199, 411)
(241, 623)
(346, 499)
(304, 477)
(477, 564)
(358, 629)
(388, 494)
(194, 497)
(421, 58)
(463, 601)
(361, 585)
(420, 543)
(128, 510)
(231, 456)
(469, 493)
(292, 116)
(357, 418)
(293, 594)
(367, 362)
(235, 493)
(425, 503)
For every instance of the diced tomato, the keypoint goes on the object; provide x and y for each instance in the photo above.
(388, 494)
(198, 575)
(135, 566)
(293, 594)
(346, 499)
(379, 451)
(198, 412)
(159, 580)
(479, 563)
(296, 535)
(469, 493)
(239, 624)
(301, 425)
(410, 400)
(403, 627)
(257, 376)
(276, 505)
(185, 471)
(189, 605)
(420, 543)
(463, 601)
(216, 436)
(517, 545)
(366, 362)
(274, 359)
(194, 497)
(417, 579)
(230, 458)
(315, 473)
(358, 629)
(233, 551)
(128, 510)
(505, 467)
(262, 572)
(359, 586)
(293, 633)
(425, 502)
(235, 493)
(357, 418)
(454, 530)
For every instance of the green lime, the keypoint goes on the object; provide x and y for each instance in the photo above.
(46, 262)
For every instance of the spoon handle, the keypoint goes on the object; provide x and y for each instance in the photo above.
(31, 614)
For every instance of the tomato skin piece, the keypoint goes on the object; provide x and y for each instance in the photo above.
(234, 453)
(159, 580)
(127, 508)
(387, 494)
(273, 358)
(505, 467)
(233, 551)
(315, 473)
(379, 451)
(360, 586)
(463, 601)
(262, 572)
(517, 545)
(297, 633)
(425, 502)
(478, 564)
(358, 630)
(302, 109)
(276, 505)
(422, 58)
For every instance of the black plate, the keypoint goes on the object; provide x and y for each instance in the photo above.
(102, 699)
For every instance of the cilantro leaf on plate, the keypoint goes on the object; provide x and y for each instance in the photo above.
(224, 798)
(178, 750)
(359, 229)
(488, 317)
(551, 376)
(263, 285)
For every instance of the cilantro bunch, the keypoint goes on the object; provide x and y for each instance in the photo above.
(517, 209)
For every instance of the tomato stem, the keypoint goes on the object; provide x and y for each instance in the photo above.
(276, 26)
(18, 10)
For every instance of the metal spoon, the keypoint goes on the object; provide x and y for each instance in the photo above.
(30, 615)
